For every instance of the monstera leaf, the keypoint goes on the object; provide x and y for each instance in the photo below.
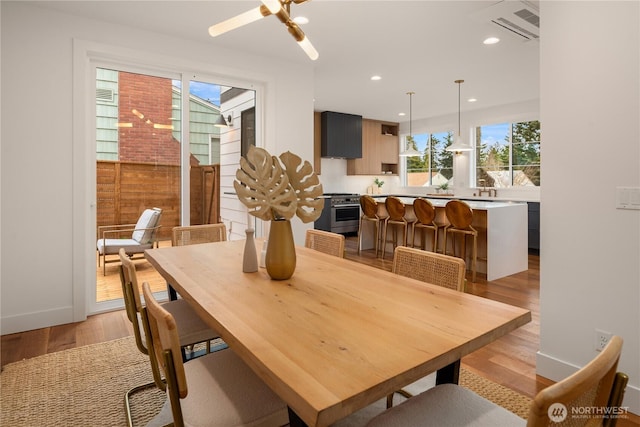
(264, 187)
(305, 184)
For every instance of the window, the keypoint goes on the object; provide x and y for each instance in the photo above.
(435, 165)
(508, 155)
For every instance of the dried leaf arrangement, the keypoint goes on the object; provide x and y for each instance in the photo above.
(273, 188)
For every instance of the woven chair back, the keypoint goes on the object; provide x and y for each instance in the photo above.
(369, 206)
(424, 211)
(593, 386)
(195, 234)
(429, 267)
(326, 242)
(459, 214)
(395, 208)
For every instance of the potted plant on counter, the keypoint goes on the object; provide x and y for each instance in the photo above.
(379, 184)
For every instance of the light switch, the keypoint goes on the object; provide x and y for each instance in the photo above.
(628, 198)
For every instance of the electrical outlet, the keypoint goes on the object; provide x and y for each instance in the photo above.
(602, 339)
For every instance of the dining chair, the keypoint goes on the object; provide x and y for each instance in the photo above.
(460, 216)
(195, 234)
(369, 208)
(326, 242)
(429, 267)
(425, 220)
(191, 329)
(596, 385)
(141, 236)
(217, 390)
(397, 218)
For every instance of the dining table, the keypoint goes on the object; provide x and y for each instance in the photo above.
(338, 335)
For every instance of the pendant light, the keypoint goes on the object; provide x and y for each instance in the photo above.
(409, 150)
(459, 145)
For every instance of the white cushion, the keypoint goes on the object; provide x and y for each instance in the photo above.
(191, 328)
(447, 405)
(112, 246)
(148, 219)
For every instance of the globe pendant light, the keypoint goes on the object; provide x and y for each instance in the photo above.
(409, 150)
(459, 145)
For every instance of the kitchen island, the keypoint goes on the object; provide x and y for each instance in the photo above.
(502, 234)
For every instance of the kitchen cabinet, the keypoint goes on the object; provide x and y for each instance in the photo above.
(317, 142)
(379, 149)
(341, 135)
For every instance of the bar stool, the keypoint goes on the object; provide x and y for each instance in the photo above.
(425, 220)
(370, 213)
(396, 210)
(460, 217)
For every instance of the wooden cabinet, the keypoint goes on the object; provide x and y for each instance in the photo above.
(379, 149)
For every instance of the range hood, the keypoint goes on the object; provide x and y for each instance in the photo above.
(341, 135)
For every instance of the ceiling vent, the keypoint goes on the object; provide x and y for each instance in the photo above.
(520, 18)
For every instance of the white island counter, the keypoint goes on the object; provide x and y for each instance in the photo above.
(502, 234)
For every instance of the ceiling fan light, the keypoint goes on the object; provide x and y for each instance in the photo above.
(272, 5)
(236, 22)
(308, 48)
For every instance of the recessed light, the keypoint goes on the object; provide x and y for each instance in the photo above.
(301, 20)
(491, 40)
(375, 78)
(401, 114)
(471, 100)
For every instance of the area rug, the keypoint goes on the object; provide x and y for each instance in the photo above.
(85, 386)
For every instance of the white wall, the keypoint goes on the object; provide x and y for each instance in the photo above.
(42, 217)
(590, 251)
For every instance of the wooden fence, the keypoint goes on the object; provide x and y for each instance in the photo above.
(125, 189)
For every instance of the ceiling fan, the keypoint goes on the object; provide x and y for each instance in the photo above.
(279, 8)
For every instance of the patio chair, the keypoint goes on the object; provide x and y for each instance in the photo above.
(143, 236)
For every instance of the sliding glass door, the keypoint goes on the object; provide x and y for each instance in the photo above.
(160, 142)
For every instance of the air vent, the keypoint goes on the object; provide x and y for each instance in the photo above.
(104, 95)
(519, 18)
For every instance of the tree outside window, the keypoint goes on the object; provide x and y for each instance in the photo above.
(508, 155)
(434, 166)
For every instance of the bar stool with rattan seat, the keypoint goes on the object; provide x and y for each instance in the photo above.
(326, 242)
(397, 218)
(460, 216)
(370, 213)
(425, 220)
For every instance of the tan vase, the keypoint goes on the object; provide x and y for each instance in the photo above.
(281, 251)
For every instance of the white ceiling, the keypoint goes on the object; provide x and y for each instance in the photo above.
(419, 46)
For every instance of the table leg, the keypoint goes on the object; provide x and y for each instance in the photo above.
(295, 420)
(450, 374)
(173, 295)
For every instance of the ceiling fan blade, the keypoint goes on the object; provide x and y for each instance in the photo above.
(238, 21)
(308, 48)
(301, 38)
(273, 5)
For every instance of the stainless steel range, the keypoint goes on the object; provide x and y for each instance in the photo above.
(341, 213)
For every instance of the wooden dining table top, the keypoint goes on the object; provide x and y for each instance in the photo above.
(338, 335)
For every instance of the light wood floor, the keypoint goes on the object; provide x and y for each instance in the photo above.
(509, 361)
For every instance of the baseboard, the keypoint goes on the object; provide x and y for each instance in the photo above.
(556, 370)
(35, 320)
